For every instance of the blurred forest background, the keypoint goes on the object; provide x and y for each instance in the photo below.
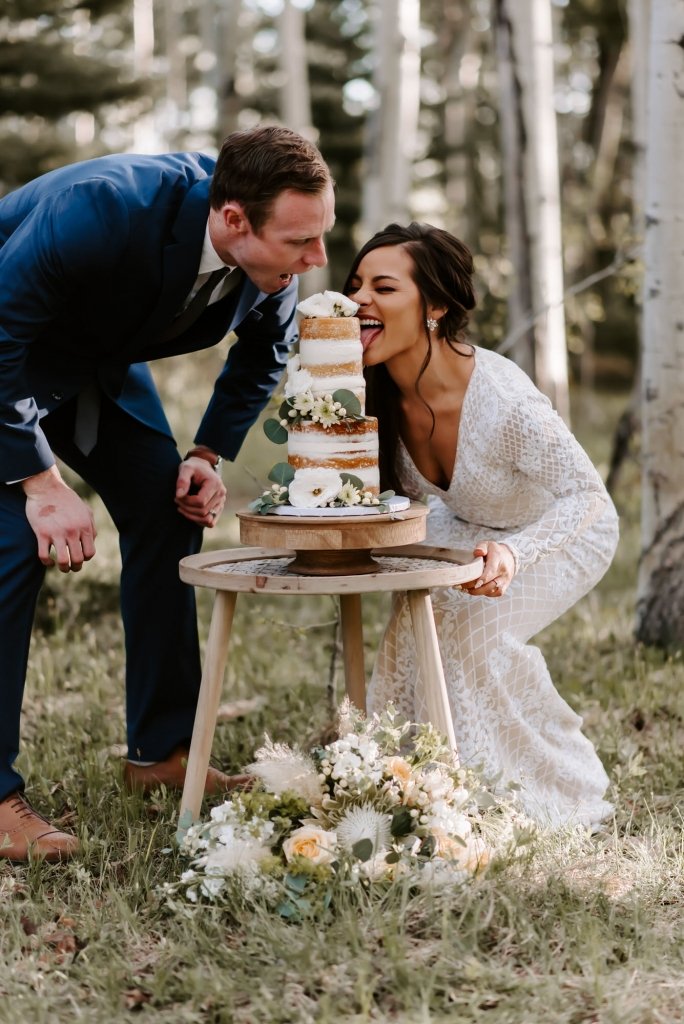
(409, 102)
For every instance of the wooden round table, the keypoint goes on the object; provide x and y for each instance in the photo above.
(412, 569)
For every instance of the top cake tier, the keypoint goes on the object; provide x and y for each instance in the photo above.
(330, 349)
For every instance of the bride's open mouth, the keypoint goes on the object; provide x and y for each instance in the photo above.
(369, 331)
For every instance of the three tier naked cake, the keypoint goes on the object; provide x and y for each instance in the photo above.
(332, 446)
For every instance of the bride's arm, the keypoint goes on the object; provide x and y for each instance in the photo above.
(545, 451)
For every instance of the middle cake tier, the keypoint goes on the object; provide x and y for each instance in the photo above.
(350, 446)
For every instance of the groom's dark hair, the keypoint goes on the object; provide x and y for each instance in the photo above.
(256, 165)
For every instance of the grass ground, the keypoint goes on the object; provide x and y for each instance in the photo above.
(580, 930)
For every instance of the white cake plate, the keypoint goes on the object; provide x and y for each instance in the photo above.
(395, 504)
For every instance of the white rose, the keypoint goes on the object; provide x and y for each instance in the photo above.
(311, 842)
(315, 305)
(313, 488)
(297, 382)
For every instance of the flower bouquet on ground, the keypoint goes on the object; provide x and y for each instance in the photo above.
(386, 803)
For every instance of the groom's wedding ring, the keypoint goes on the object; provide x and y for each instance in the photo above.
(213, 513)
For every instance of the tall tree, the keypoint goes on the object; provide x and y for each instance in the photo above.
(393, 124)
(660, 593)
(532, 36)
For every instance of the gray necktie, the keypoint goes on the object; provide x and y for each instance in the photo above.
(200, 301)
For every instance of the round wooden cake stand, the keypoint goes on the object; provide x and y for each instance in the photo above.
(412, 570)
(334, 546)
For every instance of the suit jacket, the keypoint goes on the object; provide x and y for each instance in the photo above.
(95, 260)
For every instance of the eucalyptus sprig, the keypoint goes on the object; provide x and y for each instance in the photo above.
(305, 407)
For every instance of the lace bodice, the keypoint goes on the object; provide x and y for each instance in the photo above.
(518, 470)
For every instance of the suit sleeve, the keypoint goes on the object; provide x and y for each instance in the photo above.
(253, 369)
(52, 254)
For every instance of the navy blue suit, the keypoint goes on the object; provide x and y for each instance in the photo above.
(95, 260)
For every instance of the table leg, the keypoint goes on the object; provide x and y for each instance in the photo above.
(215, 658)
(430, 663)
(352, 649)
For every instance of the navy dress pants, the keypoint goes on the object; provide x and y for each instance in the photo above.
(133, 468)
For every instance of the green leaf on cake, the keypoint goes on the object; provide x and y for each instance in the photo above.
(282, 473)
(349, 400)
(355, 481)
(275, 432)
(386, 495)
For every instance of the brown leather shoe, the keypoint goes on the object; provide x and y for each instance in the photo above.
(25, 834)
(171, 773)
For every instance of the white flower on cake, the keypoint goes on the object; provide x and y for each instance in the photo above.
(349, 495)
(298, 381)
(326, 411)
(313, 488)
(327, 304)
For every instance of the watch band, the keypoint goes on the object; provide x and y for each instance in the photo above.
(212, 458)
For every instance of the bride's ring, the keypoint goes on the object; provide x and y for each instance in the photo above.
(497, 588)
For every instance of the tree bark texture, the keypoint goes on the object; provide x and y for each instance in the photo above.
(533, 51)
(660, 593)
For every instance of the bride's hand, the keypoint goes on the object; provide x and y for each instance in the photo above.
(498, 571)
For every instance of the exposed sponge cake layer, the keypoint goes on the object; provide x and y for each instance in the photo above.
(330, 349)
(348, 447)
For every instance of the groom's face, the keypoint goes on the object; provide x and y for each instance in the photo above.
(289, 242)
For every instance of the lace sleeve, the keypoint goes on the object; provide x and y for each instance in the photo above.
(543, 449)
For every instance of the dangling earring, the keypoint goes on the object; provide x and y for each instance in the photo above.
(431, 324)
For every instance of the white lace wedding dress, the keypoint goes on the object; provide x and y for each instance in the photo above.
(522, 479)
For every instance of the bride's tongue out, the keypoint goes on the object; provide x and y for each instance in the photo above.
(369, 334)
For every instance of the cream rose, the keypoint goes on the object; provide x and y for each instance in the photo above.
(315, 844)
(399, 769)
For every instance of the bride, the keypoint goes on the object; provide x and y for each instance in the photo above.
(506, 480)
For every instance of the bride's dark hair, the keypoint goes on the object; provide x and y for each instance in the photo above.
(443, 272)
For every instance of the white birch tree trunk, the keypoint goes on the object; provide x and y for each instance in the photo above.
(533, 47)
(393, 125)
(511, 120)
(660, 592)
(145, 136)
(295, 106)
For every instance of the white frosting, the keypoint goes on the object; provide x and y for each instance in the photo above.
(322, 351)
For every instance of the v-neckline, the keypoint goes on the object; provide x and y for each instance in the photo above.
(436, 487)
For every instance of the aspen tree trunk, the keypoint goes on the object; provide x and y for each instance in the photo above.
(176, 78)
(511, 120)
(533, 48)
(145, 137)
(455, 40)
(639, 13)
(660, 592)
(393, 125)
(295, 105)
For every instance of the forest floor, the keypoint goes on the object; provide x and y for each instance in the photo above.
(581, 929)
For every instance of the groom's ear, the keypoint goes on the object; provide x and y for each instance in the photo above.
(234, 218)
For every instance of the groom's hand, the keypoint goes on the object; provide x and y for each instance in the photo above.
(200, 493)
(59, 519)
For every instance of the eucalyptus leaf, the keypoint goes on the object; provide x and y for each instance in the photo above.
(275, 431)
(282, 473)
(393, 858)
(297, 883)
(349, 478)
(386, 495)
(402, 822)
(349, 400)
(363, 849)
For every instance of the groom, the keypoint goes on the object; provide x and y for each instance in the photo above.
(104, 265)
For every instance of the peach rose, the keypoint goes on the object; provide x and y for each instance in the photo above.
(399, 769)
(315, 844)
